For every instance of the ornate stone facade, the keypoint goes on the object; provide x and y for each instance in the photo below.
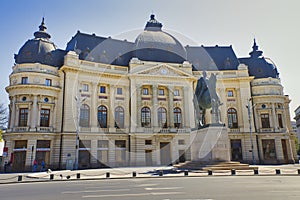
(140, 113)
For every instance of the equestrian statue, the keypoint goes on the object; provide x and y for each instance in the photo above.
(205, 98)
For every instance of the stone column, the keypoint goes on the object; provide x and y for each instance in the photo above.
(34, 113)
(171, 106)
(54, 108)
(138, 105)
(112, 107)
(133, 104)
(274, 117)
(13, 113)
(94, 107)
(154, 120)
(187, 101)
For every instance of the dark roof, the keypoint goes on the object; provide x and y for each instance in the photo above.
(258, 66)
(40, 50)
(101, 49)
(212, 58)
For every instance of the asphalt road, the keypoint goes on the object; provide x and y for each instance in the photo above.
(179, 188)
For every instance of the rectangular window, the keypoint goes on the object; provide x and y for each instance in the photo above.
(148, 142)
(120, 151)
(269, 149)
(176, 92)
(230, 93)
(265, 121)
(161, 92)
(48, 82)
(181, 142)
(23, 116)
(280, 121)
(119, 91)
(85, 87)
(102, 154)
(145, 91)
(24, 80)
(102, 89)
(45, 118)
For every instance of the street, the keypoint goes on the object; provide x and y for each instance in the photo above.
(178, 188)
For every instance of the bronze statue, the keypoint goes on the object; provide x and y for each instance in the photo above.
(206, 97)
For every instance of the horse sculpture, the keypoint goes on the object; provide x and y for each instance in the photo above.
(206, 97)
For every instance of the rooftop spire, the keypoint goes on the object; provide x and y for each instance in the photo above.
(255, 52)
(42, 31)
(153, 24)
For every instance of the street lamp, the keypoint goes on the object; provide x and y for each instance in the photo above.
(249, 107)
(78, 105)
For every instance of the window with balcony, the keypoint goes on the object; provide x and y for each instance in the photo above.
(84, 119)
(145, 117)
(119, 117)
(232, 118)
(23, 117)
(177, 117)
(102, 116)
(162, 117)
(265, 120)
(280, 124)
(45, 118)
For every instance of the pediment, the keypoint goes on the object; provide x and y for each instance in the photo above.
(161, 70)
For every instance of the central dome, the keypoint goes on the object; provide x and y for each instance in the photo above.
(153, 44)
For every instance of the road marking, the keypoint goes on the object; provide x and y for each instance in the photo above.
(145, 185)
(91, 191)
(132, 195)
(166, 188)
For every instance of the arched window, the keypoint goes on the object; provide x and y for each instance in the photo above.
(232, 118)
(146, 117)
(84, 119)
(119, 117)
(177, 117)
(162, 117)
(102, 116)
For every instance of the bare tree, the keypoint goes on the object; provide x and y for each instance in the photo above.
(3, 116)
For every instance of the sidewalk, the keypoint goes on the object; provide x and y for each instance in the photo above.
(139, 172)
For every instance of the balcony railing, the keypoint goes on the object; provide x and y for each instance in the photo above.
(266, 130)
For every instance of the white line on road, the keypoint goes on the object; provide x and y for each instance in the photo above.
(91, 191)
(145, 185)
(166, 188)
(131, 195)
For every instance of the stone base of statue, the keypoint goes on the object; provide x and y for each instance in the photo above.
(210, 144)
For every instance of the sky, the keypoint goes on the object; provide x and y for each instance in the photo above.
(274, 24)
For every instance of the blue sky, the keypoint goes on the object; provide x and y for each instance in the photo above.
(274, 24)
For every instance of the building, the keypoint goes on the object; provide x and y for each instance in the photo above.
(135, 101)
(297, 124)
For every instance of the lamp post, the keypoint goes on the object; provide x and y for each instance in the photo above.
(250, 127)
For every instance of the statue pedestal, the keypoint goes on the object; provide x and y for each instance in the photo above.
(210, 144)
